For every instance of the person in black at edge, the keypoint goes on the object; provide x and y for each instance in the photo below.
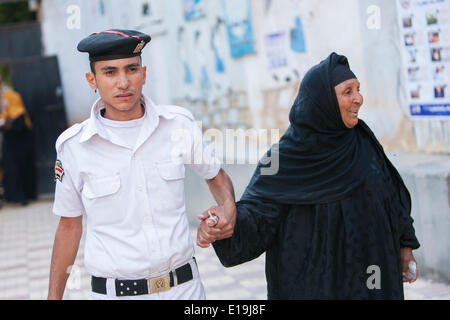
(19, 176)
(337, 210)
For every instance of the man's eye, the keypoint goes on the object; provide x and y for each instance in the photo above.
(109, 72)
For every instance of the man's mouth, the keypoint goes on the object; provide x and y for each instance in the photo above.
(124, 96)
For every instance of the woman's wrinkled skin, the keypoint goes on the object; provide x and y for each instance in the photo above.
(350, 101)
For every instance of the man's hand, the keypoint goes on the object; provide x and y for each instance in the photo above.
(208, 232)
(406, 257)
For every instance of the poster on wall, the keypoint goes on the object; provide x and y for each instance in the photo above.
(193, 9)
(148, 16)
(276, 49)
(425, 43)
(238, 19)
(298, 37)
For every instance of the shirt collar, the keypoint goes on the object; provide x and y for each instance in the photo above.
(94, 126)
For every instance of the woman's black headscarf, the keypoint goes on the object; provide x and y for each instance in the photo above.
(320, 159)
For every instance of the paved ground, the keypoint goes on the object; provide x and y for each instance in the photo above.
(26, 239)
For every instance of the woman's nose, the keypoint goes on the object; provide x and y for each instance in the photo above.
(359, 99)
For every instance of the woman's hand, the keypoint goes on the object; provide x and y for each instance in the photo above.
(406, 257)
(209, 232)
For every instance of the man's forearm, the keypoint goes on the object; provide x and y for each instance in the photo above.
(222, 189)
(65, 248)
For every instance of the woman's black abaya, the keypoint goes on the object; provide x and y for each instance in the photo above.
(334, 217)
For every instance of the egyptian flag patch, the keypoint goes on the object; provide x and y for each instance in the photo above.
(59, 171)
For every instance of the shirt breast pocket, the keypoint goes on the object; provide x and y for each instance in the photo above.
(100, 197)
(171, 176)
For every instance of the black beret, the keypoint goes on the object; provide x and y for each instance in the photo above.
(114, 44)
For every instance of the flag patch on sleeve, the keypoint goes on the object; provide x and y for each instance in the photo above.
(59, 171)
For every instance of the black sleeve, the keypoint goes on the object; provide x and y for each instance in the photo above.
(256, 226)
(408, 237)
(18, 125)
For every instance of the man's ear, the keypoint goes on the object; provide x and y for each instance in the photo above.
(90, 77)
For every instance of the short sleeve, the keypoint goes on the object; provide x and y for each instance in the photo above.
(203, 160)
(67, 198)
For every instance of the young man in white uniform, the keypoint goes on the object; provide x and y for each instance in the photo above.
(124, 169)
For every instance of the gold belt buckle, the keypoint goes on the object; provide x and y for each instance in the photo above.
(159, 284)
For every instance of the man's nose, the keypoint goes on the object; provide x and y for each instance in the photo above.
(123, 81)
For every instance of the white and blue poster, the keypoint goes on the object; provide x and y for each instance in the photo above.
(425, 42)
(193, 9)
(216, 43)
(239, 27)
(276, 44)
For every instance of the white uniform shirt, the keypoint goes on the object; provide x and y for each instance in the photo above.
(133, 198)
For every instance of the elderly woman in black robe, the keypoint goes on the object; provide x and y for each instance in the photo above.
(335, 220)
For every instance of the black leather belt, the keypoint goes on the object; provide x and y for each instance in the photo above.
(126, 288)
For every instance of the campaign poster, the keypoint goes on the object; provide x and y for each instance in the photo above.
(425, 44)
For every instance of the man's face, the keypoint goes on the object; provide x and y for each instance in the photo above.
(119, 83)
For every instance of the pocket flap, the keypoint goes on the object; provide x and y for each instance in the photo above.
(100, 187)
(171, 170)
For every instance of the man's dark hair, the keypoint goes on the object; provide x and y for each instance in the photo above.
(92, 64)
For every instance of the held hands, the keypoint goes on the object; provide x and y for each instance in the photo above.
(409, 274)
(208, 231)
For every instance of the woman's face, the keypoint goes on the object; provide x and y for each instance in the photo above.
(350, 101)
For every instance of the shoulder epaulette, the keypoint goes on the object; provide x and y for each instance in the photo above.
(67, 134)
(179, 110)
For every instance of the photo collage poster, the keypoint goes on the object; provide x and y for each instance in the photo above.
(425, 43)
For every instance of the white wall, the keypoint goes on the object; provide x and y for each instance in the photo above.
(60, 40)
(328, 25)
